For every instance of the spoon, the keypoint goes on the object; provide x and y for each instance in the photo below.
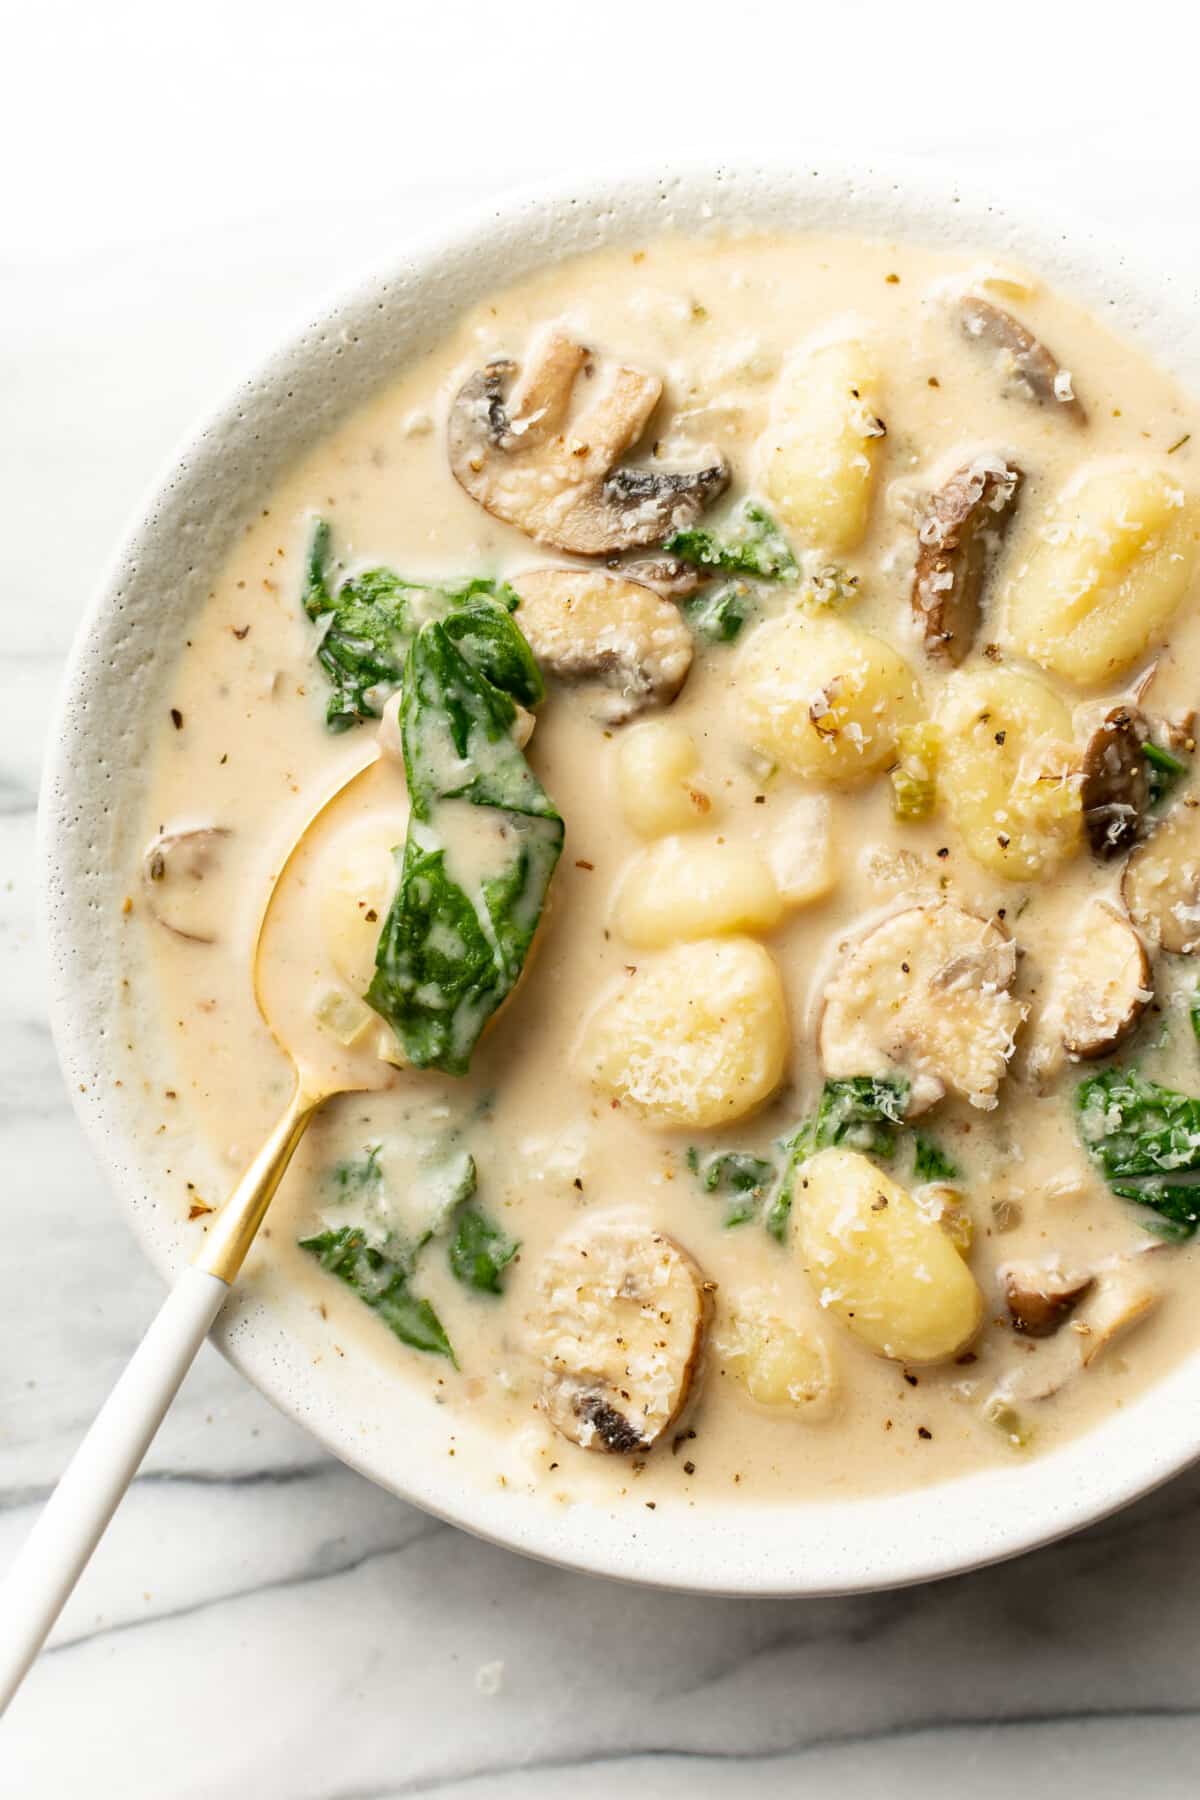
(78, 1512)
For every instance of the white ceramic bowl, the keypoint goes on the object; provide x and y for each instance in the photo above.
(90, 811)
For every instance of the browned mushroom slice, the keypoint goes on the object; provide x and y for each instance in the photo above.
(963, 522)
(1026, 361)
(1116, 788)
(560, 480)
(176, 874)
(622, 1313)
(1102, 982)
(667, 575)
(1161, 882)
(623, 638)
(1039, 1300)
(1124, 1297)
(925, 995)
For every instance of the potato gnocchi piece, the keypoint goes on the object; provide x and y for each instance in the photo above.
(1010, 773)
(821, 447)
(677, 890)
(925, 995)
(622, 1313)
(658, 779)
(801, 852)
(784, 1367)
(824, 698)
(1109, 565)
(355, 898)
(695, 1036)
(880, 1264)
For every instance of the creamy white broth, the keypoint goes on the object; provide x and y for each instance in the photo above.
(716, 318)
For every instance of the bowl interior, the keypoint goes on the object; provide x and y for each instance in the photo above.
(91, 811)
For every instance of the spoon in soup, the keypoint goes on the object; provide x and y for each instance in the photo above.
(78, 1512)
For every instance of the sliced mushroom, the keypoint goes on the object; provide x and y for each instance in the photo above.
(1161, 882)
(1124, 1296)
(560, 480)
(926, 995)
(1101, 986)
(669, 576)
(620, 1326)
(624, 638)
(963, 522)
(1034, 372)
(1116, 786)
(176, 874)
(1039, 1300)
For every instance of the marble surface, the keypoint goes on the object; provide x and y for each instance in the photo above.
(259, 1620)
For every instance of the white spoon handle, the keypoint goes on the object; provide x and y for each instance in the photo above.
(57, 1549)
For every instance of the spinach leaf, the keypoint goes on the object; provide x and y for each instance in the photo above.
(754, 546)
(861, 1112)
(381, 1280)
(744, 1179)
(357, 1175)
(930, 1162)
(370, 621)
(480, 1251)
(1165, 771)
(453, 944)
(1194, 1013)
(1145, 1140)
(717, 614)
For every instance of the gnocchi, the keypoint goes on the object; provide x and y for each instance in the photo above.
(677, 890)
(1110, 564)
(697, 1036)
(881, 1264)
(822, 444)
(355, 899)
(1010, 774)
(784, 1365)
(802, 853)
(823, 698)
(659, 785)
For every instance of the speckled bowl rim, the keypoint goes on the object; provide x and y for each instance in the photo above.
(90, 788)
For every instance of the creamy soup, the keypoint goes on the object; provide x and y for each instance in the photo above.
(741, 690)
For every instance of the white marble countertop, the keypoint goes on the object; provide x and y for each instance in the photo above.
(260, 1621)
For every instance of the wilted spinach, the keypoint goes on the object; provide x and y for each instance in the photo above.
(382, 1281)
(479, 1251)
(1145, 1140)
(743, 1179)
(453, 944)
(369, 621)
(753, 545)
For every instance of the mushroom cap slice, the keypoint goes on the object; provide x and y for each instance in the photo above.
(1115, 794)
(561, 480)
(669, 576)
(1161, 882)
(174, 872)
(963, 522)
(1041, 1299)
(628, 641)
(925, 994)
(1100, 988)
(1033, 370)
(620, 1324)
